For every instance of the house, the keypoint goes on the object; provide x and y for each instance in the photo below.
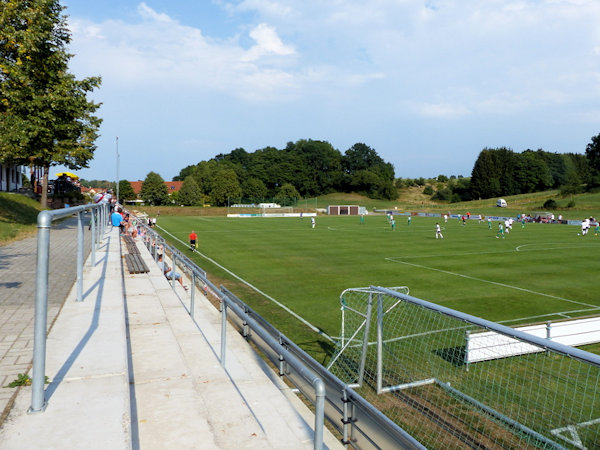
(172, 186)
(11, 178)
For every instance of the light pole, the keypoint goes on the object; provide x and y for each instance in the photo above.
(117, 186)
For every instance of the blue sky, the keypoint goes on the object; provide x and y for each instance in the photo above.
(426, 83)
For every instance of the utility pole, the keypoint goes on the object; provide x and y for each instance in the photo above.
(117, 186)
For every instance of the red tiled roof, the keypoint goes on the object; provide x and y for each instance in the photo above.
(172, 186)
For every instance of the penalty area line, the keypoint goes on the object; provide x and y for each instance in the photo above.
(281, 305)
(491, 282)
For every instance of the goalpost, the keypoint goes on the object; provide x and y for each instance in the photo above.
(409, 358)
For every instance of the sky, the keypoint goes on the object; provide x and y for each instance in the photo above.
(426, 83)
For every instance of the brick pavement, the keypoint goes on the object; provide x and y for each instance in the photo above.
(17, 298)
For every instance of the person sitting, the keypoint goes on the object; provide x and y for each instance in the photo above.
(170, 273)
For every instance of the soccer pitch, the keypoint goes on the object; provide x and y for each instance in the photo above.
(537, 273)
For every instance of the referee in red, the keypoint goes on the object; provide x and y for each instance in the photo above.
(193, 238)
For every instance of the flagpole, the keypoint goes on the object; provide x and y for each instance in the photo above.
(117, 169)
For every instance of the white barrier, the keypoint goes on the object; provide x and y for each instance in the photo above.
(490, 345)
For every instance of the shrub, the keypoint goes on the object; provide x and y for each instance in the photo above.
(571, 204)
(550, 204)
(428, 190)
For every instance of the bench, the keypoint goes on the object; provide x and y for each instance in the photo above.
(135, 264)
(133, 258)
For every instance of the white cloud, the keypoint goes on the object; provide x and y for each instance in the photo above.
(267, 42)
(161, 51)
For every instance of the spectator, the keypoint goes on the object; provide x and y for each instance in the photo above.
(170, 273)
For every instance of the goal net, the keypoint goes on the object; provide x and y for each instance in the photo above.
(408, 358)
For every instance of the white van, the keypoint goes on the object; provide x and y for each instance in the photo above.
(501, 203)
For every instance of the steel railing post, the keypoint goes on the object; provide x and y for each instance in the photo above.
(38, 402)
(80, 256)
(379, 342)
(93, 249)
(320, 393)
(193, 294)
(223, 332)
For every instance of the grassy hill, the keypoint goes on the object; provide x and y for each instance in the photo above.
(18, 216)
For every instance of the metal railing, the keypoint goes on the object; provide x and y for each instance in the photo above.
(98, 224)
(360, 423)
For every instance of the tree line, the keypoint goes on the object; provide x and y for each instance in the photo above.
(305, 168)
(502, 172)
(312, 168)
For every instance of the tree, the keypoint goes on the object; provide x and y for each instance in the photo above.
(126, 191)
(254, 189)
(154, 191)
(225, 187)
(189, 194)
(45, 117)
(287, 195)
(592, 153)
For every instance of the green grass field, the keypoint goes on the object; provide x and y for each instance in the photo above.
(538, 273)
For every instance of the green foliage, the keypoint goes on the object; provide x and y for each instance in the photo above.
(23, 380)
(312, 167)
(189, 194)
(502, 172)
(125, 191)
(154, 191)
(45, 116)
(550, 204)
(254, 190)
(225, 186)
(287, 195)
(428, 190)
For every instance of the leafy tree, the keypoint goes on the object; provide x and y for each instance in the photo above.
(225, 186)
(189, 194)
(154, 191)
(254, 189)
(126, 191)
(287, 195)
(45, 117)
(592, 153)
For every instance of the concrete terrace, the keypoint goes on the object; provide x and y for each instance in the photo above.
(128, 367)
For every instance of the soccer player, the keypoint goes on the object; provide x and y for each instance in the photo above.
(489, 223)
(500, 231)
(193, 237)
(438, 231)
(312, 222)
(393, 222)
(409, 219)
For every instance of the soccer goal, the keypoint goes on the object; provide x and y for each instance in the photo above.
(408, 357)
(363, 316)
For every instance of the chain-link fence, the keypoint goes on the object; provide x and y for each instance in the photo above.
(410, 358)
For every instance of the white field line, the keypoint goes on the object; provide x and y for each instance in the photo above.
(281, 305)
(490, 282)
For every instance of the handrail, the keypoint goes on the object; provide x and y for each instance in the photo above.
(581, 355)
(44, 220)
(361, 424)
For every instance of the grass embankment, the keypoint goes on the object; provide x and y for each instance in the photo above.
(18, 216)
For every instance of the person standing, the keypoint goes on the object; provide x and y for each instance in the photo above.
(438, 231)
(409, 219)
(489, 223)
(193, 237)
(393, 222)
(312, 222)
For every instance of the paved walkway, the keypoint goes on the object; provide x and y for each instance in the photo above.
(17, 298)
(129, 369)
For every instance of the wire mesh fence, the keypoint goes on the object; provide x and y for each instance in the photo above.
(410, 359)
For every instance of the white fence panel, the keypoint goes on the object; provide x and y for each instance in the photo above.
(490, 345)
